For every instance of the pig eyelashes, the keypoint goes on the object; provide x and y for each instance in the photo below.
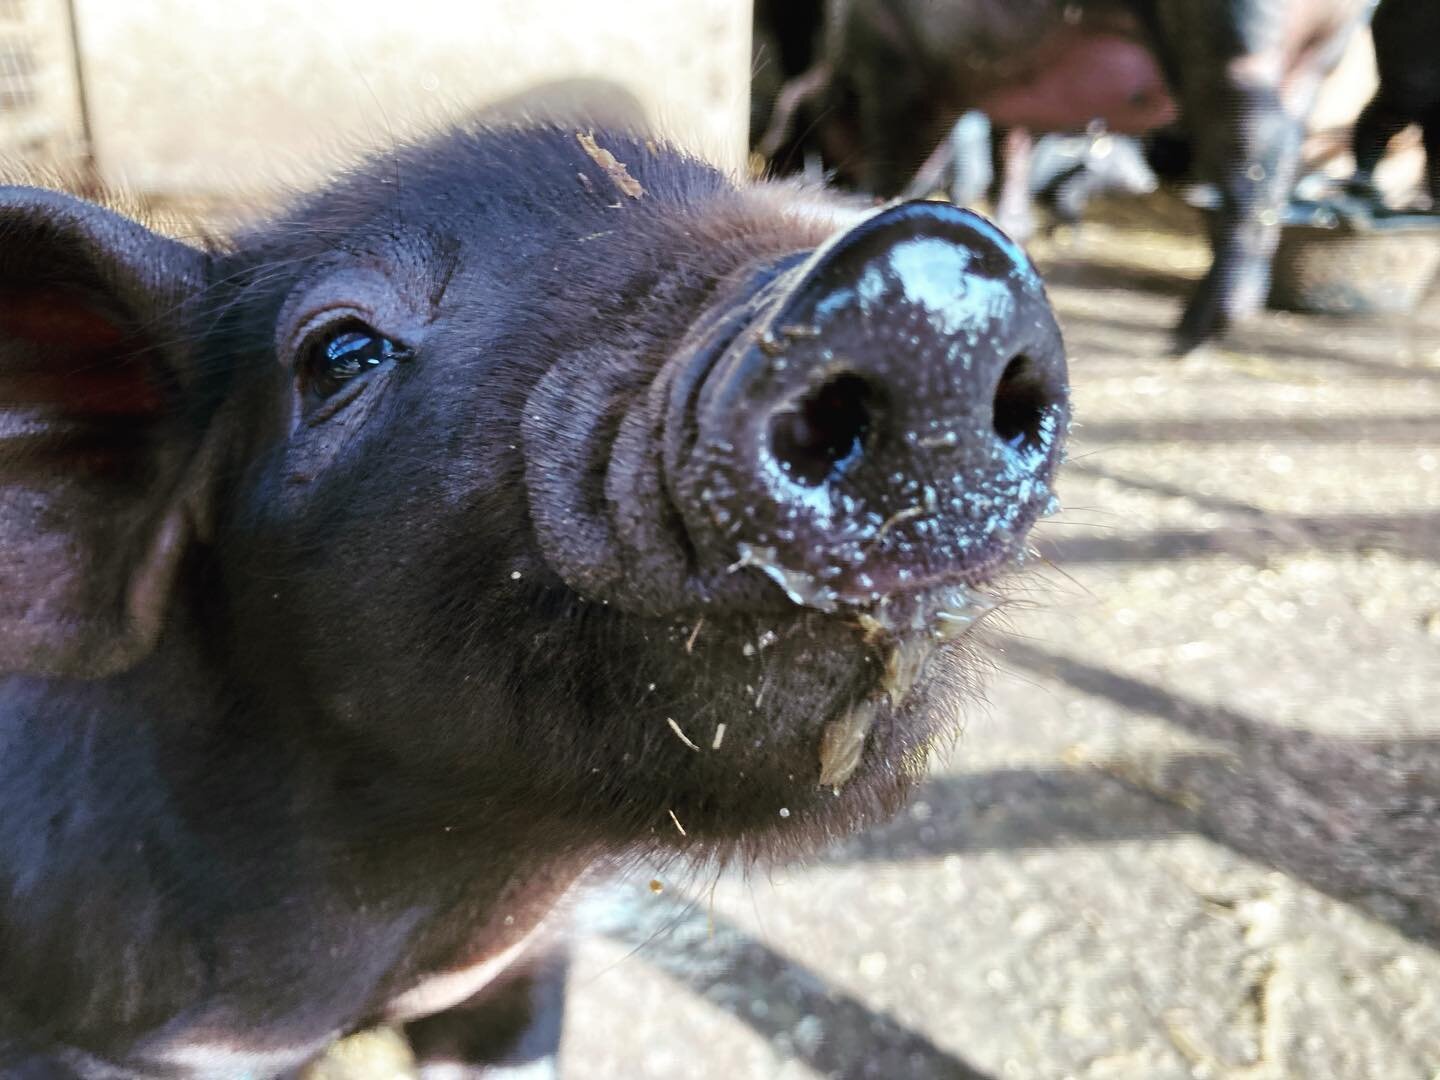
(335, 360)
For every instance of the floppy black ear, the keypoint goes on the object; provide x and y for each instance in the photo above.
(97, 432)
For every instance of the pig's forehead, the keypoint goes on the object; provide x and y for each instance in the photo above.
(483, 196)
(494, 206)
(470, 181)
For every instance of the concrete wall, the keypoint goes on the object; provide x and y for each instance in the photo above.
(201, 97)
(40, 117)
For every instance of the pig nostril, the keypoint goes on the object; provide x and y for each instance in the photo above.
(1021, 400)
(825, 431)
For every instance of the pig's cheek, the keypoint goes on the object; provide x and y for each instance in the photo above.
(318, 447)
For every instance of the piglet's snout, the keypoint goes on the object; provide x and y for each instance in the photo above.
(893, 415)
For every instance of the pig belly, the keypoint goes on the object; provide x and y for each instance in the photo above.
(1077, 78)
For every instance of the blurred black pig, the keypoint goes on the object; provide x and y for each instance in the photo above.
(529, 497)
(890, 76)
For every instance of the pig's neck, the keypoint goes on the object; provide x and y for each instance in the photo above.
(234, 864)
(392, 836)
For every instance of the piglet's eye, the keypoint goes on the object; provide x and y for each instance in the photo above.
(338, 356)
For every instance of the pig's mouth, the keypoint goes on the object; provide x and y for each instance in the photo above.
(906, 633)
(774, 729)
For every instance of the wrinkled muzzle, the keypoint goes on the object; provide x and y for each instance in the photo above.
(877, 418)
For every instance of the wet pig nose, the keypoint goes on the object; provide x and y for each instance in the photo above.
(893, 415)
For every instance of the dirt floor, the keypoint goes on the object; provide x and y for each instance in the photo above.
(1195, 830)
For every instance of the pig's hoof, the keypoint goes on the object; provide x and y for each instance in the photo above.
(1201, 324)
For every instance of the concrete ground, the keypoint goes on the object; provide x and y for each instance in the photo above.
(1195, 831)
